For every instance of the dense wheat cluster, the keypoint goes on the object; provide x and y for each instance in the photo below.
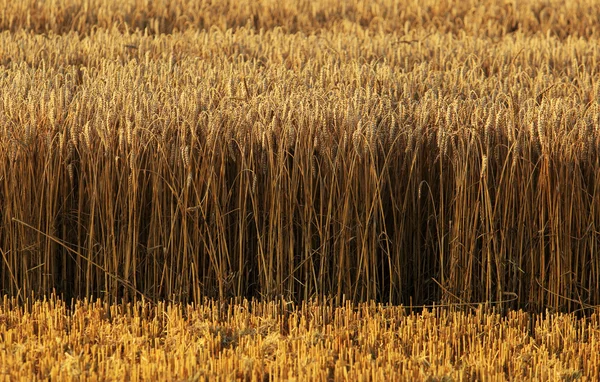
(282, 341)
(407, 152)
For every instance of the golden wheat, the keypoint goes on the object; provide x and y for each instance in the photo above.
(435, 151)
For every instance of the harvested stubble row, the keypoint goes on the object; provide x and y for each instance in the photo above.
(278, 340)
(419, 161)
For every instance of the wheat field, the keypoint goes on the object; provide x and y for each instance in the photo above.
(429, 152)
(157, 156)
